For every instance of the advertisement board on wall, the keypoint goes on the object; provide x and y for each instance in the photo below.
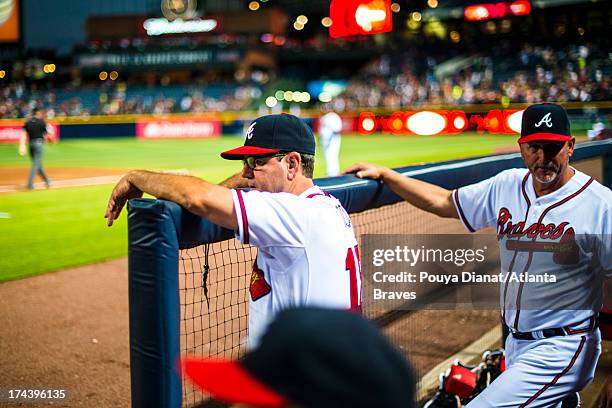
(177, 128)
(11, 131)
(9, 21)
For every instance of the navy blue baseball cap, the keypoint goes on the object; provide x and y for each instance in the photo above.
(315, 358)
(272, 134)
(545, 121)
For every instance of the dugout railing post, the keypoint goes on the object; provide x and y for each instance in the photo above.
(158, 229)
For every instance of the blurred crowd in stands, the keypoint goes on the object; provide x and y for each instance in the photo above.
(17, 100)
(414, 78)
(535, 74)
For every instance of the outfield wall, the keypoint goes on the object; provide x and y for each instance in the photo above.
(483, 118)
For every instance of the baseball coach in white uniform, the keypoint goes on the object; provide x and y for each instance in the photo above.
(307, 250)
(550, 219)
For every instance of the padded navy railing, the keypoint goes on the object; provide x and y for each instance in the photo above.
(157, 229)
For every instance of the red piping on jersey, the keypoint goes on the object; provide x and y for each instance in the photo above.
(550, 207)
(592, 324)
(245, 222)
(354, 291)
(325, 193)
(465, 221)
(554, 380)
(525, 193)
(520, 293)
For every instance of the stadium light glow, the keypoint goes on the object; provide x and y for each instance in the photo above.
(267, 38)
(520, 8)
(426, 123)
(160, 26)
(367, 123)
(475, 13)
(271, 101)
(514, 121)
(486, 11)
(360, 17)
(459, 123)
(366, 17)
(325, 97)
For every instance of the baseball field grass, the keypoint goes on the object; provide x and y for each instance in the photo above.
(48, 230)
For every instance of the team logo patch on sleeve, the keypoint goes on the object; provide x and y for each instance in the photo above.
(259, 287)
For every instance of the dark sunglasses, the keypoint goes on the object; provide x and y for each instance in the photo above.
(254, 162)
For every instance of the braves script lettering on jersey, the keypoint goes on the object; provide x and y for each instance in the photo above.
(307, 253)
(576, 218)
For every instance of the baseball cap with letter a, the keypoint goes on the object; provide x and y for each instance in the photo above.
(545, 121)
(273, 134)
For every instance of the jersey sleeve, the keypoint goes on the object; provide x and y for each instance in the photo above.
(270, 219)
(475, 204)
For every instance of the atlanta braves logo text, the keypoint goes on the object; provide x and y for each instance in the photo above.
(505, 226)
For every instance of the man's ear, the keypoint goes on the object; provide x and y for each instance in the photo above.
(294, 162)
(570, 146)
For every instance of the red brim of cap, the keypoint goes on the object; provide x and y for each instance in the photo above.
(553, 137)
(239, 152)
(229, 382)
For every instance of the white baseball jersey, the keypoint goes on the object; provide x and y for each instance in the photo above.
(580, 212)
(307, 253)
(566, 234)
(330, 126)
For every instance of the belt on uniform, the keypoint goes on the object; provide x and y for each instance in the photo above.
(557, 331)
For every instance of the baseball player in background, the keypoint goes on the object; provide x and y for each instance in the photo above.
(330, 126)
(307, 250)
(552, 351)
(35, 133)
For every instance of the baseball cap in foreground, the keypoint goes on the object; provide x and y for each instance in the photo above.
(313, 358)
(272, 134)
(545, 121)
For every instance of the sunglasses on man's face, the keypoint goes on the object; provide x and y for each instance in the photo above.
(255, 162)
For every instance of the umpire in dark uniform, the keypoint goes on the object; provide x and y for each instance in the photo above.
(36, 133)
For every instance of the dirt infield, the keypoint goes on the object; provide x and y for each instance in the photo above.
(68, 330)
(15, 178)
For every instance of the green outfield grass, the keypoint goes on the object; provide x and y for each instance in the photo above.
(48, 230)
